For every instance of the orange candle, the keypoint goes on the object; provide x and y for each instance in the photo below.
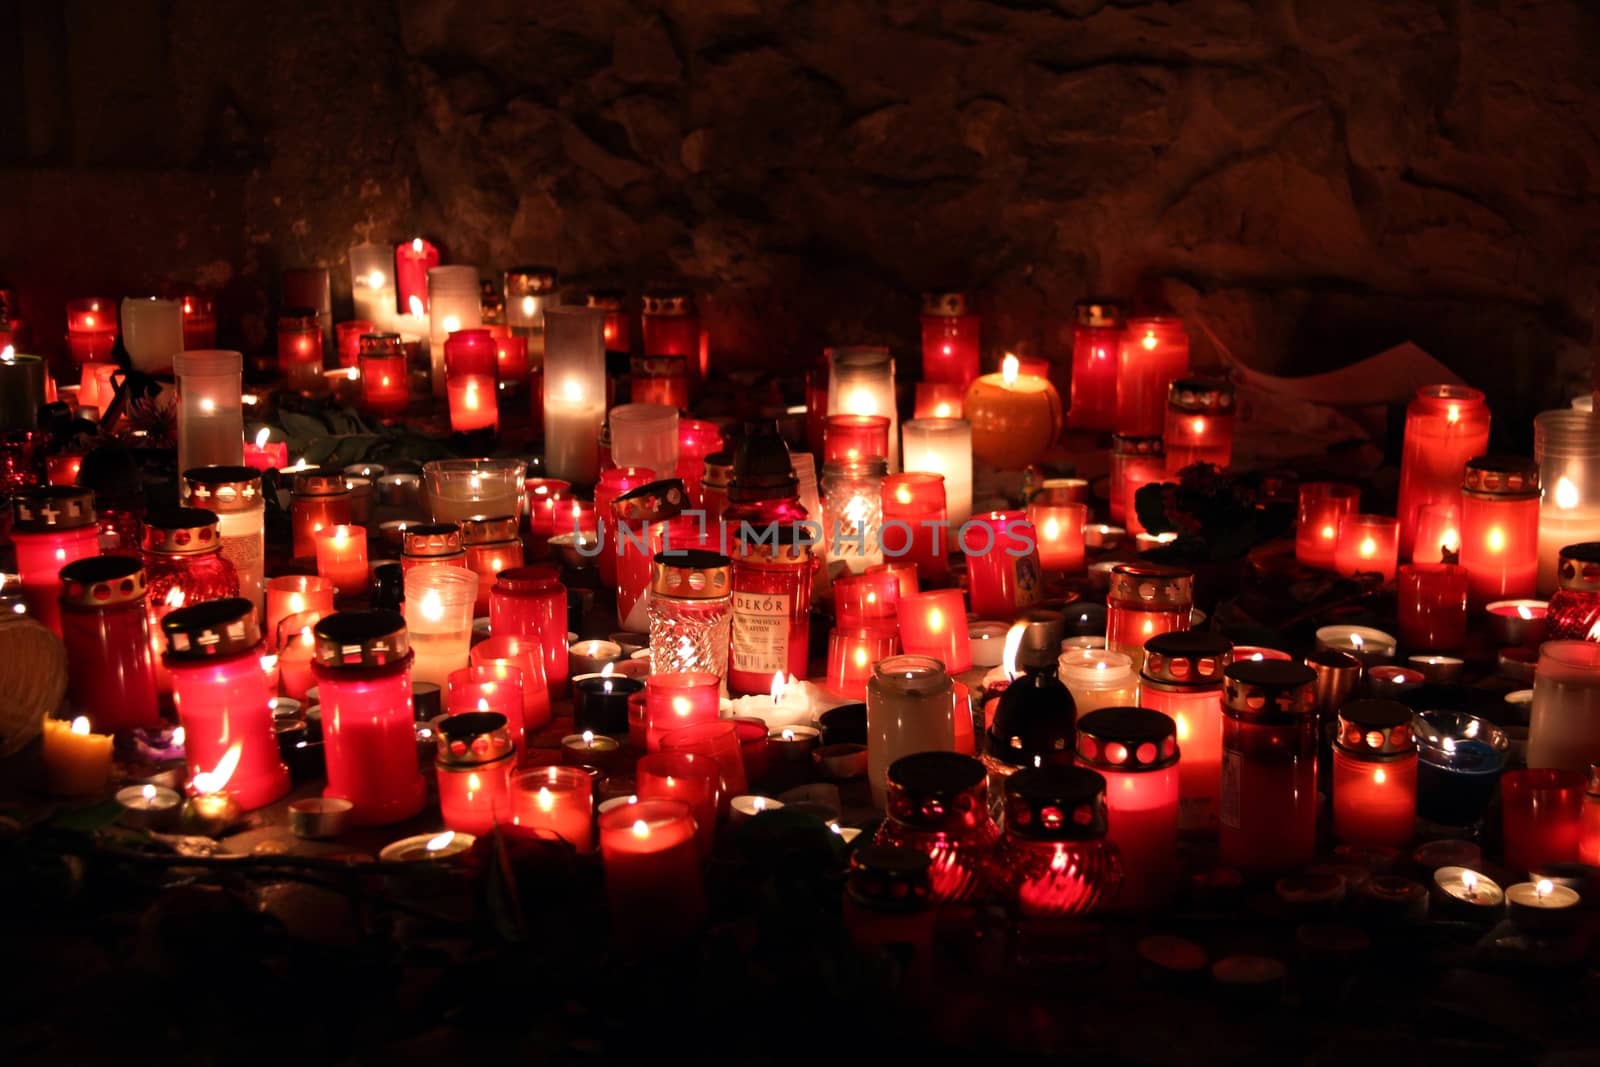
(556, 799)
(77, 763)
(1015, 417)
(342, 558)
(852, 653)
(1367, 544)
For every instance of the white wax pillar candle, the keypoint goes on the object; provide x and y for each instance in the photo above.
(454, 303)
(944, 446)
(1564, 718)
(861, 382)
(574, 392)
(1566, 444)
(210, 409)
(438, 613)
(152, 332)
(372, 284)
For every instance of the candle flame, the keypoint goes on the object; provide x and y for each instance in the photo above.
(208, 406)
(1369, 548)
(262, 437)
(788, 735)
(80, 726)
(641, 828)
(1451, 541)
(8, 353)
(375, 279)
(415, 304)
(1566, 494)
(942, 410)
(1496, 541)
(440, 843)
(608, 670)
(529, 305)
(1449, 745)
(1009, 368)
(1328, 533)
(474, 783)
(1013, 645)
(297, 603)
(1594, 631)
(1543, 888)
(174, 598)
(1052, 528)
(572, 391)
(902, 493)
(148, 792)
(935, 620)
(588, 738)
(861, 656)
(416, 245)
(1356, 642)
(1524, 612)
(452, 323)
(432, 606)
(1453, 416)
(179, 736)
(861, 402)
(483, 704)
(88, 320)
(546, 799)
(1148, 340)
(216, 780)
(1469, 882)
(760, 804)
(340, 536)
(778, 687)
(269, 663)
(1379, 776)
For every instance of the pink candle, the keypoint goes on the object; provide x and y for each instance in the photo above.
(412, 261)
(1368, 544)
(688, 777)
(673, 701)
(342, 558)
(556, 799)
(935, 624)
(652, 871)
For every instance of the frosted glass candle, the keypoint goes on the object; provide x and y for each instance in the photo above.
(463, 488)
(944, 446)
(372, 284)
(454, 303)
(210, 411)
(1566, 445)
(645, 435)
(1098, 678)
(1564, 720)
(438, 614)
(152, 332)
(574, 392)
(861, 382)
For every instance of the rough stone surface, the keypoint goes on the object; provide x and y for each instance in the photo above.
(1305, 180)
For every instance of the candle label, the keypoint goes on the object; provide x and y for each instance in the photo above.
(246, 553)
(760, 642)
(1228, 802)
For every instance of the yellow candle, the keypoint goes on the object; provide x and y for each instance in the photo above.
(77, 763)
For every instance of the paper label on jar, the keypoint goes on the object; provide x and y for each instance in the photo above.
(245, 553)
(1228, 802)
(760, 641)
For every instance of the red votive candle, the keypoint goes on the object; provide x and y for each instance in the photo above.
(469, 367)
(717, 741)
(1002, 563)
(545, 495)
(530, 602)
(1135, 463)
(1058, 524)
(1375, 775)
(1438, 537)
(914, 523)
(1431, 601)
(1323, 506)
(1182, 679)
(1446, 425)
(652, 871)
(294, 594)
(1136, 750)
(1154, 353)
(199, 322)
(91, 330)
(300, 349)
(412, 262)
(557, 799)
(385, 386)
(1199, 427)
(342, 558)
(1096, 341)
(693, 779)
(506, 653)
(349, 335)
(904, 572)
(484, 688)
(51, 527)
(855, 437)
(473, 770)
(492, 544)
(935, 400)
(1542, 814)
(106, 631)
(673, 701)
(950, 339)
(1145, 600)
(511, 357)
(1500, 528)
(935, 624)
(1367, 544)
(697, 439)
(852, 654)
(869, 600)
(614, 482)
(1270, 737)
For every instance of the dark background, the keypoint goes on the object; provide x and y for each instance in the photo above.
(1305, 181)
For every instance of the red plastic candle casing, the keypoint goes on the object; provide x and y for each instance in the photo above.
(1135, 463)
(950, 339)
(852, 654)
(643, 518)
(687, 777)
(469, 367)
(545, 513)
(1573, 613)
(718, 741)
(214, 656)
(473, 770)
(915, 521)
(300, 349)
(1542, 816)
(771, 623)
(652, 871)
(492, 545)
(616, 334)
(1154, 353)
(935, 624)
(181, 549)
(904, 573)
(1500, 528)
(1199, 423)
(1446, 425)
(1270, 737)
(660, 380)
(484, 688)
(293, 594)
(1002, 563)
(869, 600)
(614, 481)
(852, 438)
(556, 799)
(531, 602)
(1136, 750)
(1183, 679)
(51, 526)
(1096, 342)
(1323, 505)
(935, 400)
(1589, 822)
(1367, 544)
(107, 637)
(349, 335)
(412, 261)
(321, 499)
(199, 321)
(511, 357)
(1058, 523)
(1145, 600)
(507, 652)
(697, 439)
(385, 386)
(342, 558)
(671, 333)
(1438, 538)
(91, 329)
(1375, 775)
(673, 701)
(363, 672)
(1431, 602)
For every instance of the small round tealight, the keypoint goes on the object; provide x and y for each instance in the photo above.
(1463, 893)
(1542, 906)
(149, 807)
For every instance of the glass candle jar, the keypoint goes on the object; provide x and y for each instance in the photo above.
(347, 340)
(1589, 821)
(199, 320)
(295, 594)
(372, 283)
(618, 333)
(1270, 737)
(671, 326)
(529, 292)
(676, 700)
(342, 559)
(938, 803)
(1541, 811)
(698, 440)
(485, 687)
(1199, 423)
(888, 905)
(615, 482)
(1573, 613)
(916, 524)
(1058, 523)
(1145, 600)
(852, 508)
(107, 637)
(687, 777)
(1054, 859)
(321, 498)
(574, 392)
(431, 544)
(645, 436)
(717, 741)
(852, 655)
(1015, 416)
(944, 447)
(1183, 679)
(1154, 352)
(300, 349)
(454, 304)
(1431, 602)
(861, 382)
(934, 625)
(210, 409)
(1001, 550)
(1564, 719)
(412, 261)
(490, 545)
(181, 552)
(950, 338)
(1500, 528)
(938, 400)
(50, 527)
(645, 522)
(1096, 342)
(507, 653)
(463, 488)
(214, 656)
(385, 384)
(22, 390)
(1566, 445)
(1136, 750)
(473, 768)
(771, 610)
(1446, 425)
(853, 438)
(152, 333)
(438, 616)
(660, 380)
(556, 799)
(310, 287)
(1459, 759)
(363, 671)
(531, 602)
(911, 708)
(470, 377)
(652, 872)
(1098, 678)
(91, 329)
(234, 495)
(1135, 463)
(1374, 774)
(690, 612)
(869, 600)
(1367, 544)
(1438, 538)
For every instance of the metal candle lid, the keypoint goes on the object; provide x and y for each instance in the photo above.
(1579, 569)
(864, 467)
(180, 532)
(1269, 690)
(1127, 739)
(1504, 477)
(1187, 658)
(651, 502)
(487, 529)
(380, 344)
(531, 281)
(1201, 396)
(360, 639)
(1376, 730)
(1129, 445)
(782, 544)
(1041, 638)
(296, 318)
(1152, 585)
(892, 878)
(604, 299)
(1056, 804)
(431, 540)
(691, 574)
(473, 739)
(1098, 313)
(938, 791)
(946, 304)
(320, 481)
(102, 582)
(224, 490)
(52, 507)
(719, 471)
(668, 303)
(214, 628)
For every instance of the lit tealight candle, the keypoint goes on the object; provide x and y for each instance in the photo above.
(743, 808)
(1542, 905)
(427, 848)
(1369, 645)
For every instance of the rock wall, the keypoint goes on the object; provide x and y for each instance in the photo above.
(1306, 180)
